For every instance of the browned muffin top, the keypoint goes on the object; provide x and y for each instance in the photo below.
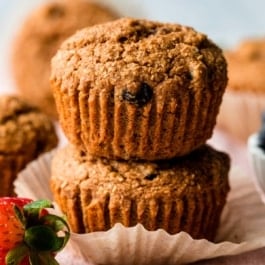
(246, 66)
(200, 170)
(136, 56)
(24, 129)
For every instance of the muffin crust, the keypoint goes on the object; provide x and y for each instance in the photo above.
(121, 87)
(183, 194)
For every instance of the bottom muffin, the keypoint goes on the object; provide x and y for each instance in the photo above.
(183, 194)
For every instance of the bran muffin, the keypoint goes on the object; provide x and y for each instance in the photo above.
(25, 133)
(244, 99)
(38, 39)
(137, 89)
(183, 194)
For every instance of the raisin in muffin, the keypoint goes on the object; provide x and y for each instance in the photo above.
(244, 99)
(137, 89)
(183, 194)
(38, 39)
(25, 133)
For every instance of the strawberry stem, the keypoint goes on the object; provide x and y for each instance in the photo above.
(17, 254)
(45, 258)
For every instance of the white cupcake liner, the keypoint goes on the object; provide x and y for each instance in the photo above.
(242, 228)
(240, 113)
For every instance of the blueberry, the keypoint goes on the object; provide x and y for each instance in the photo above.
(261, 134)
(141, 97)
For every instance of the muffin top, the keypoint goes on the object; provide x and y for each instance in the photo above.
(201, 170)
(246, 66)
(138, 58)
(23, 128)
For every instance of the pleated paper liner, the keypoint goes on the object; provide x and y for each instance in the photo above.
(242, 228)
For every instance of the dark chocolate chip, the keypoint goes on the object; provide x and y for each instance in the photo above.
(141, 97)
(189, 75)
(151, 176)
(82, 153)
(122, 39)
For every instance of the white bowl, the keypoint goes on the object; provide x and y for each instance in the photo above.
(257, 157)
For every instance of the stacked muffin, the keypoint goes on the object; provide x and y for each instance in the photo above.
(137, 100)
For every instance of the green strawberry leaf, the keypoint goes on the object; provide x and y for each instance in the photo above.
(39, 204)
(44, 258)
(42, 238)
(20, 215)
(34, 258)
(33, 209)
(47, 259)
(16, 255)
(55, 222)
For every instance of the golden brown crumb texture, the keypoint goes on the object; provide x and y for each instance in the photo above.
(25, 133)
(138, 89)
(184, 194)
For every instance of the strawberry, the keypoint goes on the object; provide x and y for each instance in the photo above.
(29, 234)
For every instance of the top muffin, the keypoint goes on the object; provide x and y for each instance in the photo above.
(138, 89)
(39, 38)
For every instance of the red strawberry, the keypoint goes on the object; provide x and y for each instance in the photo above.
(29, 234)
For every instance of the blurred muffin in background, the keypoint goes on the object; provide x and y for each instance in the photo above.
(244, 99)
(38, 39)
(25, 133)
